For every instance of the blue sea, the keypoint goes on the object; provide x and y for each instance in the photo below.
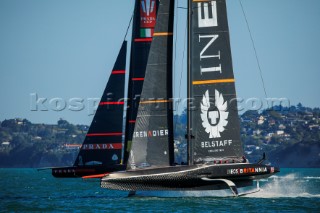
(26, 190)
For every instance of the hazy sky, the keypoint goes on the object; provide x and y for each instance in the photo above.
(65, 49)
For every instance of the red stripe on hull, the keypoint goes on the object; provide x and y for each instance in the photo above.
(95, 176)
(132, 121)
(118, 72)
(111, 103)
(138, 79)
(143, 39)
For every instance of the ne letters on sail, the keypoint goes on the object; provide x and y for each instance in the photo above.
(207, 17)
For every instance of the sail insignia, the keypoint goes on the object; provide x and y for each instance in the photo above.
(214, 121)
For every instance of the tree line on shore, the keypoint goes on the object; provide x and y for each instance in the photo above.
(283, 133)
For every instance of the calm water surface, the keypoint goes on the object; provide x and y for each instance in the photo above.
(23, 190)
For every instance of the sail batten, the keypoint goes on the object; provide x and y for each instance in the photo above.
(143, 40)
(215, 81)
(163, 34)
(118, 72)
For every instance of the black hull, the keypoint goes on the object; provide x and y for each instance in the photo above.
(78, 172)
(187, 178)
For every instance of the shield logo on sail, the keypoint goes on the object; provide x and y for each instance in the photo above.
(214, 118)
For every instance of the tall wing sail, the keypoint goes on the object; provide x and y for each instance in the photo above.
(152, 144)
(103, 143)
(144, 21)
(214, 124)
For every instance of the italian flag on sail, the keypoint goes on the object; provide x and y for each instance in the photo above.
(146, 32)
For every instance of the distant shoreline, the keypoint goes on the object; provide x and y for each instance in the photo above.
(290, 137)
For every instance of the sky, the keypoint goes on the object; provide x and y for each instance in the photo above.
(59, 51)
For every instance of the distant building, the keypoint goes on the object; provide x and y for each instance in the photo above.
(257, 132)
(272, 122)
(61, 131)
(309, 114)
(280, 132)
(261, 120)
(282, 127)
(5, 143)
(271, 134)
(311, 127)
(19, 121)
(287, 135)
(72, 146)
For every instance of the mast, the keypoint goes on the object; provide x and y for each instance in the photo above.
(152, 144)
(144, 21)
(189, 155)
(211, 86)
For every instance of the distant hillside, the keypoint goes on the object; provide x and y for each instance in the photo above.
(302, 154)
(23, 144)
(289, 136)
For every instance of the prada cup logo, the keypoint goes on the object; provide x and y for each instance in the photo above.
(148, 6)
(214, 118)
(148, 15)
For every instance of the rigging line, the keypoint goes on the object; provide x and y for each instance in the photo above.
(175, 45)
(181, 71)
(254, 48)
(175, 56)
(128, 27)
(183, 55)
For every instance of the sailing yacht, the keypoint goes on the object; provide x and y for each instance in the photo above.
(103, 150)
(141, 155)
(215, 152)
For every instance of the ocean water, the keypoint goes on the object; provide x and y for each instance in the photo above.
(24, 190)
